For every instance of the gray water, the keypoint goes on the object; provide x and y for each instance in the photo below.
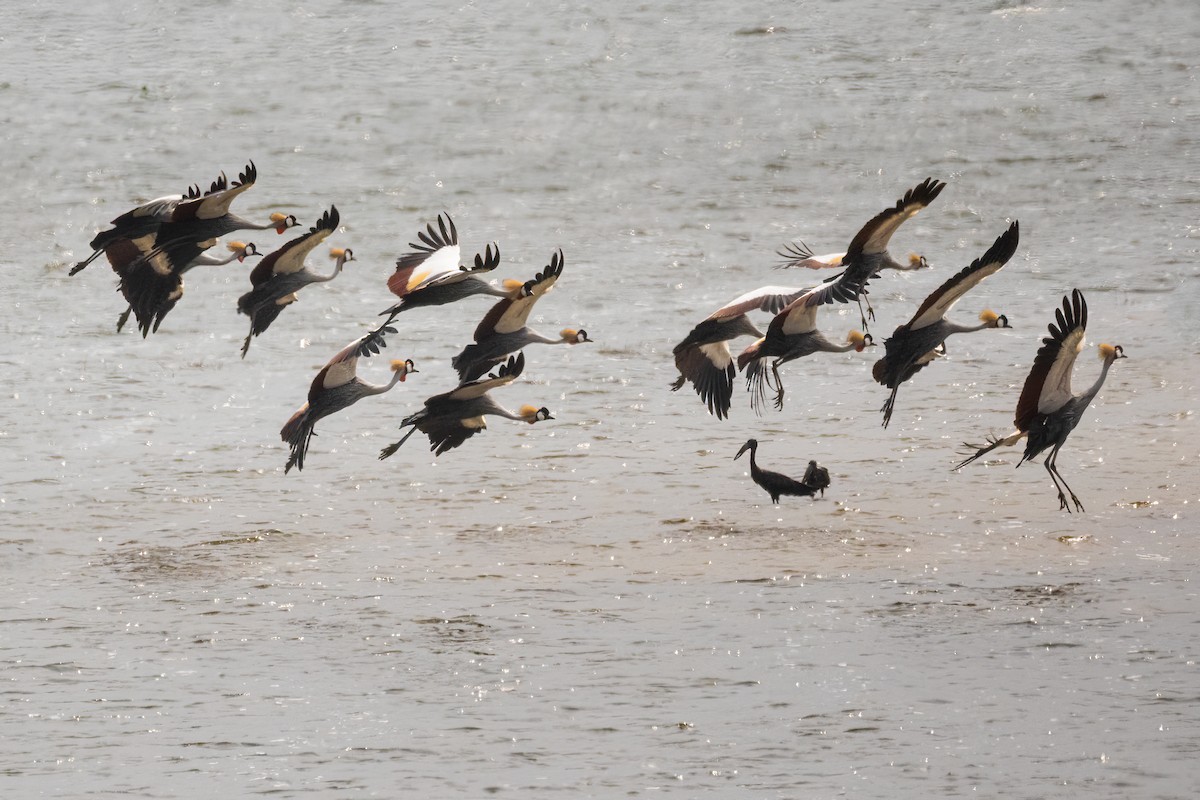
(601, 605)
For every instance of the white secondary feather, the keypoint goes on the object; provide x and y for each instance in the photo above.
(717, 353)
(952, 294)
(293, 259)
(440, 264)
(802, 314)
(216, 205)
(1056, 390)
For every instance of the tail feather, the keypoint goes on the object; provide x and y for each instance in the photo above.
(992, 443)
(297, 432)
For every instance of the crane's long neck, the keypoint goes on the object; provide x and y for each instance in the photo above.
(500, 411)
(1086, 398)
(337, 268)
(380, 388)
(830, 347)
(537, 338)
(954, 327)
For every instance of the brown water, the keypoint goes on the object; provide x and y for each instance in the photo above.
(604, 604)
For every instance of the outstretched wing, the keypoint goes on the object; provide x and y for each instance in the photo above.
(341, 369)
(771, 299)
(873, 238)
(511, 314)
(1048, 387)
(447, 433)
(710, 369)
(216, 202)
(290, 257)
(945, 296)
(798, 255)
(508, 372)
(434, 258)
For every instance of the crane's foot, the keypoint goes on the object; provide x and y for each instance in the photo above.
(1062, 502)
(779, 399)
(246, 345)
(121, 320)
(677, 384)
(390, 449)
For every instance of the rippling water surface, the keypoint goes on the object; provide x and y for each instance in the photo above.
(604, 604)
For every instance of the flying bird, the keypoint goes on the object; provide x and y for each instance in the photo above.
(282, 273)
(793, 333)
(916, 343)
(1047, 411)
(195, 224)
(451, 418)
(503, 329)
(136, 223)
(152, 294)
(432, 276)
(775, 483)
(337, 386)
(703, 357)
(869, 247)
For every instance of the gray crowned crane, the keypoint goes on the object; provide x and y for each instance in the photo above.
(817, 477)
(793, 333)
(451, 418)
(922, 339)
(136, 223)
(504, 328)
(195, 224)
(336, 387)
(282, 273)
(432, 276)
(152, 294)
(868, 249)
(1047, 411)
(703, 357)
(775, 483)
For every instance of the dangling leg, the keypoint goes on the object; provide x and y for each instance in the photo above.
(1052, 462)
(889, 405)
(778, 385)
(121, 320)
(392, 448)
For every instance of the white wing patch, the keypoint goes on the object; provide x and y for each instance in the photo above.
(1056, 390)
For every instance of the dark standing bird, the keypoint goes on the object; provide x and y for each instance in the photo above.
(817, 477)
(793, 333)
(282, 273)
(1047, 411)
(451, 418)
(431, 274)
(703, 356)
(775, 483)
(917, 342)
(503, 329)
(155, 293)
(868, 249)
(337, 386)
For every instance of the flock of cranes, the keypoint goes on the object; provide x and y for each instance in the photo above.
(1047, 410)
(153, 246)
